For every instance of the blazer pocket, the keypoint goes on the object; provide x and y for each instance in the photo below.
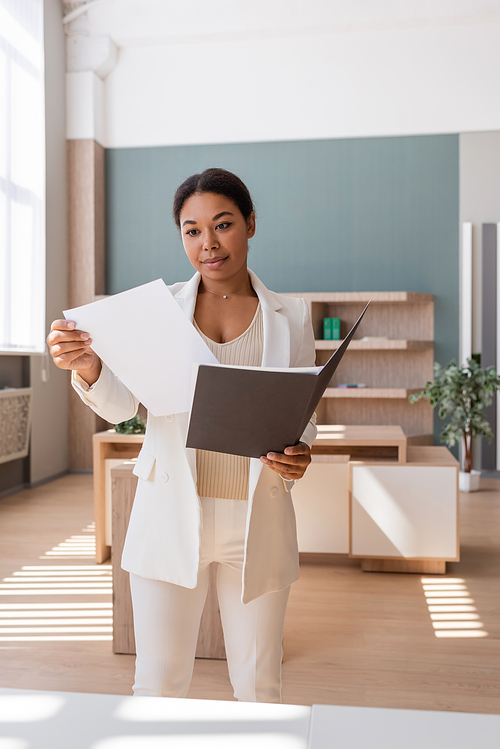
(144, 465)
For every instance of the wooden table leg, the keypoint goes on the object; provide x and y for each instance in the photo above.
(102, 551)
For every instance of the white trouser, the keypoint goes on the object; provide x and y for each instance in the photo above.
(167, 618)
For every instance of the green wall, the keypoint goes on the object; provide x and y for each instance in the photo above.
(374, 214)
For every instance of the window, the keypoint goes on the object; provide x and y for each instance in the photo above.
(22, 177)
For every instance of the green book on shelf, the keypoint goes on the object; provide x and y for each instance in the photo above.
(331, 329)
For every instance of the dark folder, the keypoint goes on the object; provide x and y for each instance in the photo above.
(245, 411)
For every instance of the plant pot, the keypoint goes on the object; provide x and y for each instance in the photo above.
(469, 482)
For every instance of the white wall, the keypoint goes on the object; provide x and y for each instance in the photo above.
(142, 22)
(197, 72)
(49, 436)
(320, 86)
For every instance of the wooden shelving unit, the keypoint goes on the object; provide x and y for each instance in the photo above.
(392, 369)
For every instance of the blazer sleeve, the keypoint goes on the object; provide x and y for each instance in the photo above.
(305, 358)
(108, 396)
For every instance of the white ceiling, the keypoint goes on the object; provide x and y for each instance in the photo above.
(146, 22)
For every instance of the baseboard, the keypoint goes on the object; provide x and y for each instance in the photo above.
(46, 480)
(36, 484)
(13, 490)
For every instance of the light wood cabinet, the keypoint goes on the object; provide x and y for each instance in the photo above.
(391, 369)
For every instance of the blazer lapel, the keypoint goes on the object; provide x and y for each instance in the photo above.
(186, 298)
(276, 329)
(276, 351)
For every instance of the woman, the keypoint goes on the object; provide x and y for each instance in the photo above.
(193, 508)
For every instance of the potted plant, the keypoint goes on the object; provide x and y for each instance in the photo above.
(461, 393)
(135, 425)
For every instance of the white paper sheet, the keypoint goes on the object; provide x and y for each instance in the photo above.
(147, 341)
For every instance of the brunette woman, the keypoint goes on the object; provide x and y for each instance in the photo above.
(193, 508)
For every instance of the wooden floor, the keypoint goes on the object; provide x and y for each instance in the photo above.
(351, 638)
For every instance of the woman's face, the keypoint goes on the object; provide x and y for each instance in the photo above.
(215, 235)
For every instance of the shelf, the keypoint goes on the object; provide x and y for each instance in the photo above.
(397, 393)
(359, 435)
(358, 297)
(390, 344)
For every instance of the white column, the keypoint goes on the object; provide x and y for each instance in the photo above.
(89, 59)
(85, 107)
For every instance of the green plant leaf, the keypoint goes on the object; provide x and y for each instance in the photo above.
(133, 426)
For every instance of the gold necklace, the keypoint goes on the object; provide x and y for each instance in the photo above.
(225, 296)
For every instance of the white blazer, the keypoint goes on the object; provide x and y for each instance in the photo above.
(164, 533)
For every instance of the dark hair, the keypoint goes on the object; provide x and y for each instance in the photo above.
(217, 181)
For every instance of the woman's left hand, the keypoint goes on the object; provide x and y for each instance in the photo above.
(292, 463)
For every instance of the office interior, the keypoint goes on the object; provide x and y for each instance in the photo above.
(369, 136)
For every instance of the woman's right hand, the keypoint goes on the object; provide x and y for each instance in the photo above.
(70, 349)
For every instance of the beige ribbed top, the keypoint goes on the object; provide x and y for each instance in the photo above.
(220, 475)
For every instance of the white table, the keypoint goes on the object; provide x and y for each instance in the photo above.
(335, 727)
(59, 720)
(69, 720)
